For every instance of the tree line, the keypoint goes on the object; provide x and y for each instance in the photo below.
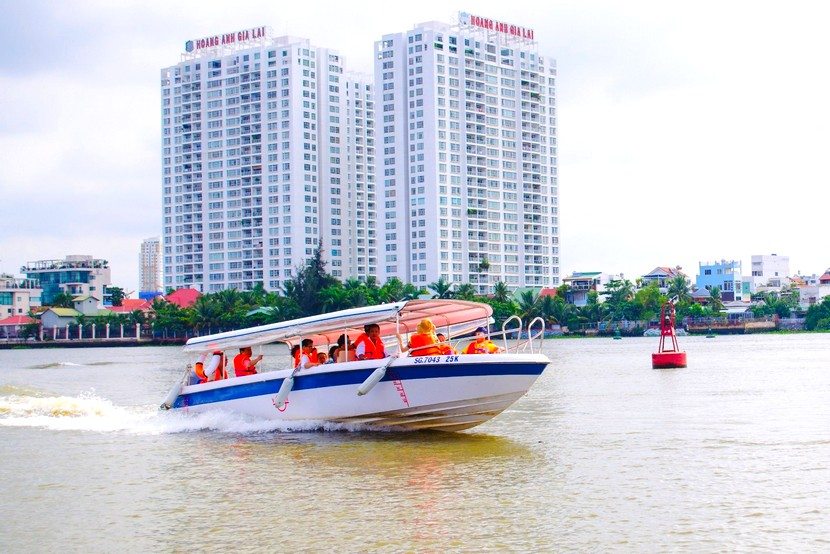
(314, 291)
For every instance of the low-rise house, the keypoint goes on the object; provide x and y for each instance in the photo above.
(12, 326)
(662, 276)
(726, 275)
(581, 283)
(183, 298)
(812, 289)
(58, 317)
(130, 305)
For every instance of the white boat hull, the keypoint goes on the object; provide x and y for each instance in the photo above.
(449, 393)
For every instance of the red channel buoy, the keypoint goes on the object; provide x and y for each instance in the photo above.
(671, 356)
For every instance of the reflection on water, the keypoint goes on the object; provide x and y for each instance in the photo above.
(604, 453)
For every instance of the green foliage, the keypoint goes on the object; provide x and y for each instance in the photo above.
(116, 295)
(442, 288)
(818, 316)
(501, 292)
(62, 300)
(620, 300)
(306, 287)
(647, 302)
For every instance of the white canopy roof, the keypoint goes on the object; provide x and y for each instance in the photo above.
(452, 317)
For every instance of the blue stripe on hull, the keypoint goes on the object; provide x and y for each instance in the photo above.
(355, 377)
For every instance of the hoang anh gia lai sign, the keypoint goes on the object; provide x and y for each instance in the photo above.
(224, 39)
(493, 25)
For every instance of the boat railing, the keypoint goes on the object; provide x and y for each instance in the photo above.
(535, 335)
(507, 331)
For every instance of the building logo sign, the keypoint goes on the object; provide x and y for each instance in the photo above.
(225, 39)
(492, 25)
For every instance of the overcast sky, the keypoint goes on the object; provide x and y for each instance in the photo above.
(688, 132)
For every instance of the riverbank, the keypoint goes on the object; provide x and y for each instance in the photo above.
(88, 343)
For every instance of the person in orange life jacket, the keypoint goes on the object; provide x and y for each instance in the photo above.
(214, 368)
(424, 342)
(369, 345)
(345, 349)
(308, 356)
(197, 372)
(243, 364)
(443, 345)
(481, 344)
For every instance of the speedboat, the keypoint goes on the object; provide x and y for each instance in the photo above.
(448, 392)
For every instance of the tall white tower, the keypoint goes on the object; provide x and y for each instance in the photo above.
(149, 266)
(467, 124)
(267, 149)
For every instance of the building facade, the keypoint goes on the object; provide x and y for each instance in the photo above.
(770, 272)
(724, 274)
(149, 267)
(76, 275)
(267, 151)
(467, 171)
(18, 296)
(581, 283)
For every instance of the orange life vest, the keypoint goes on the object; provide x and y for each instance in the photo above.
(240, 367)
(423, 345)
(483, 347)
(372, 350)
(199, 370)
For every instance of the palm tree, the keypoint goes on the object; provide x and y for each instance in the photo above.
(501, 291)
(62, 300)
(679, 287)
(528, 305)
(716, 303)
(465, 292)
(356, 293)
(441, 287)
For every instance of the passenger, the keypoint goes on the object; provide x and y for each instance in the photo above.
(243, 364)
(332, 355)
(215, 369)
(345, 350)
(369, 346)
(481, 344)
(322, 358)
(424, 342)
(295, 355)
(443, 345)
(197, 371)
(308, 358)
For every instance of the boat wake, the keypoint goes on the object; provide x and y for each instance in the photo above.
(89, 412)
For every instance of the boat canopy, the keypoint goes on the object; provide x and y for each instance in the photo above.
(451, 317)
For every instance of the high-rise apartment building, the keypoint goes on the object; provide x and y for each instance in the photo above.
(267, 149)
(467, 182)
(149, 268)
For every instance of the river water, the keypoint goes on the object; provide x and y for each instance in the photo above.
(604, 453)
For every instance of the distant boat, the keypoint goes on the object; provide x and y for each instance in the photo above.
(442, 392)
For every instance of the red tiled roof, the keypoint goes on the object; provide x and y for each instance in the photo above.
(547, 292)
(17, 320)
(183, 298)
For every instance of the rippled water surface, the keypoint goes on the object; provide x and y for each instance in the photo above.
(604, 453)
